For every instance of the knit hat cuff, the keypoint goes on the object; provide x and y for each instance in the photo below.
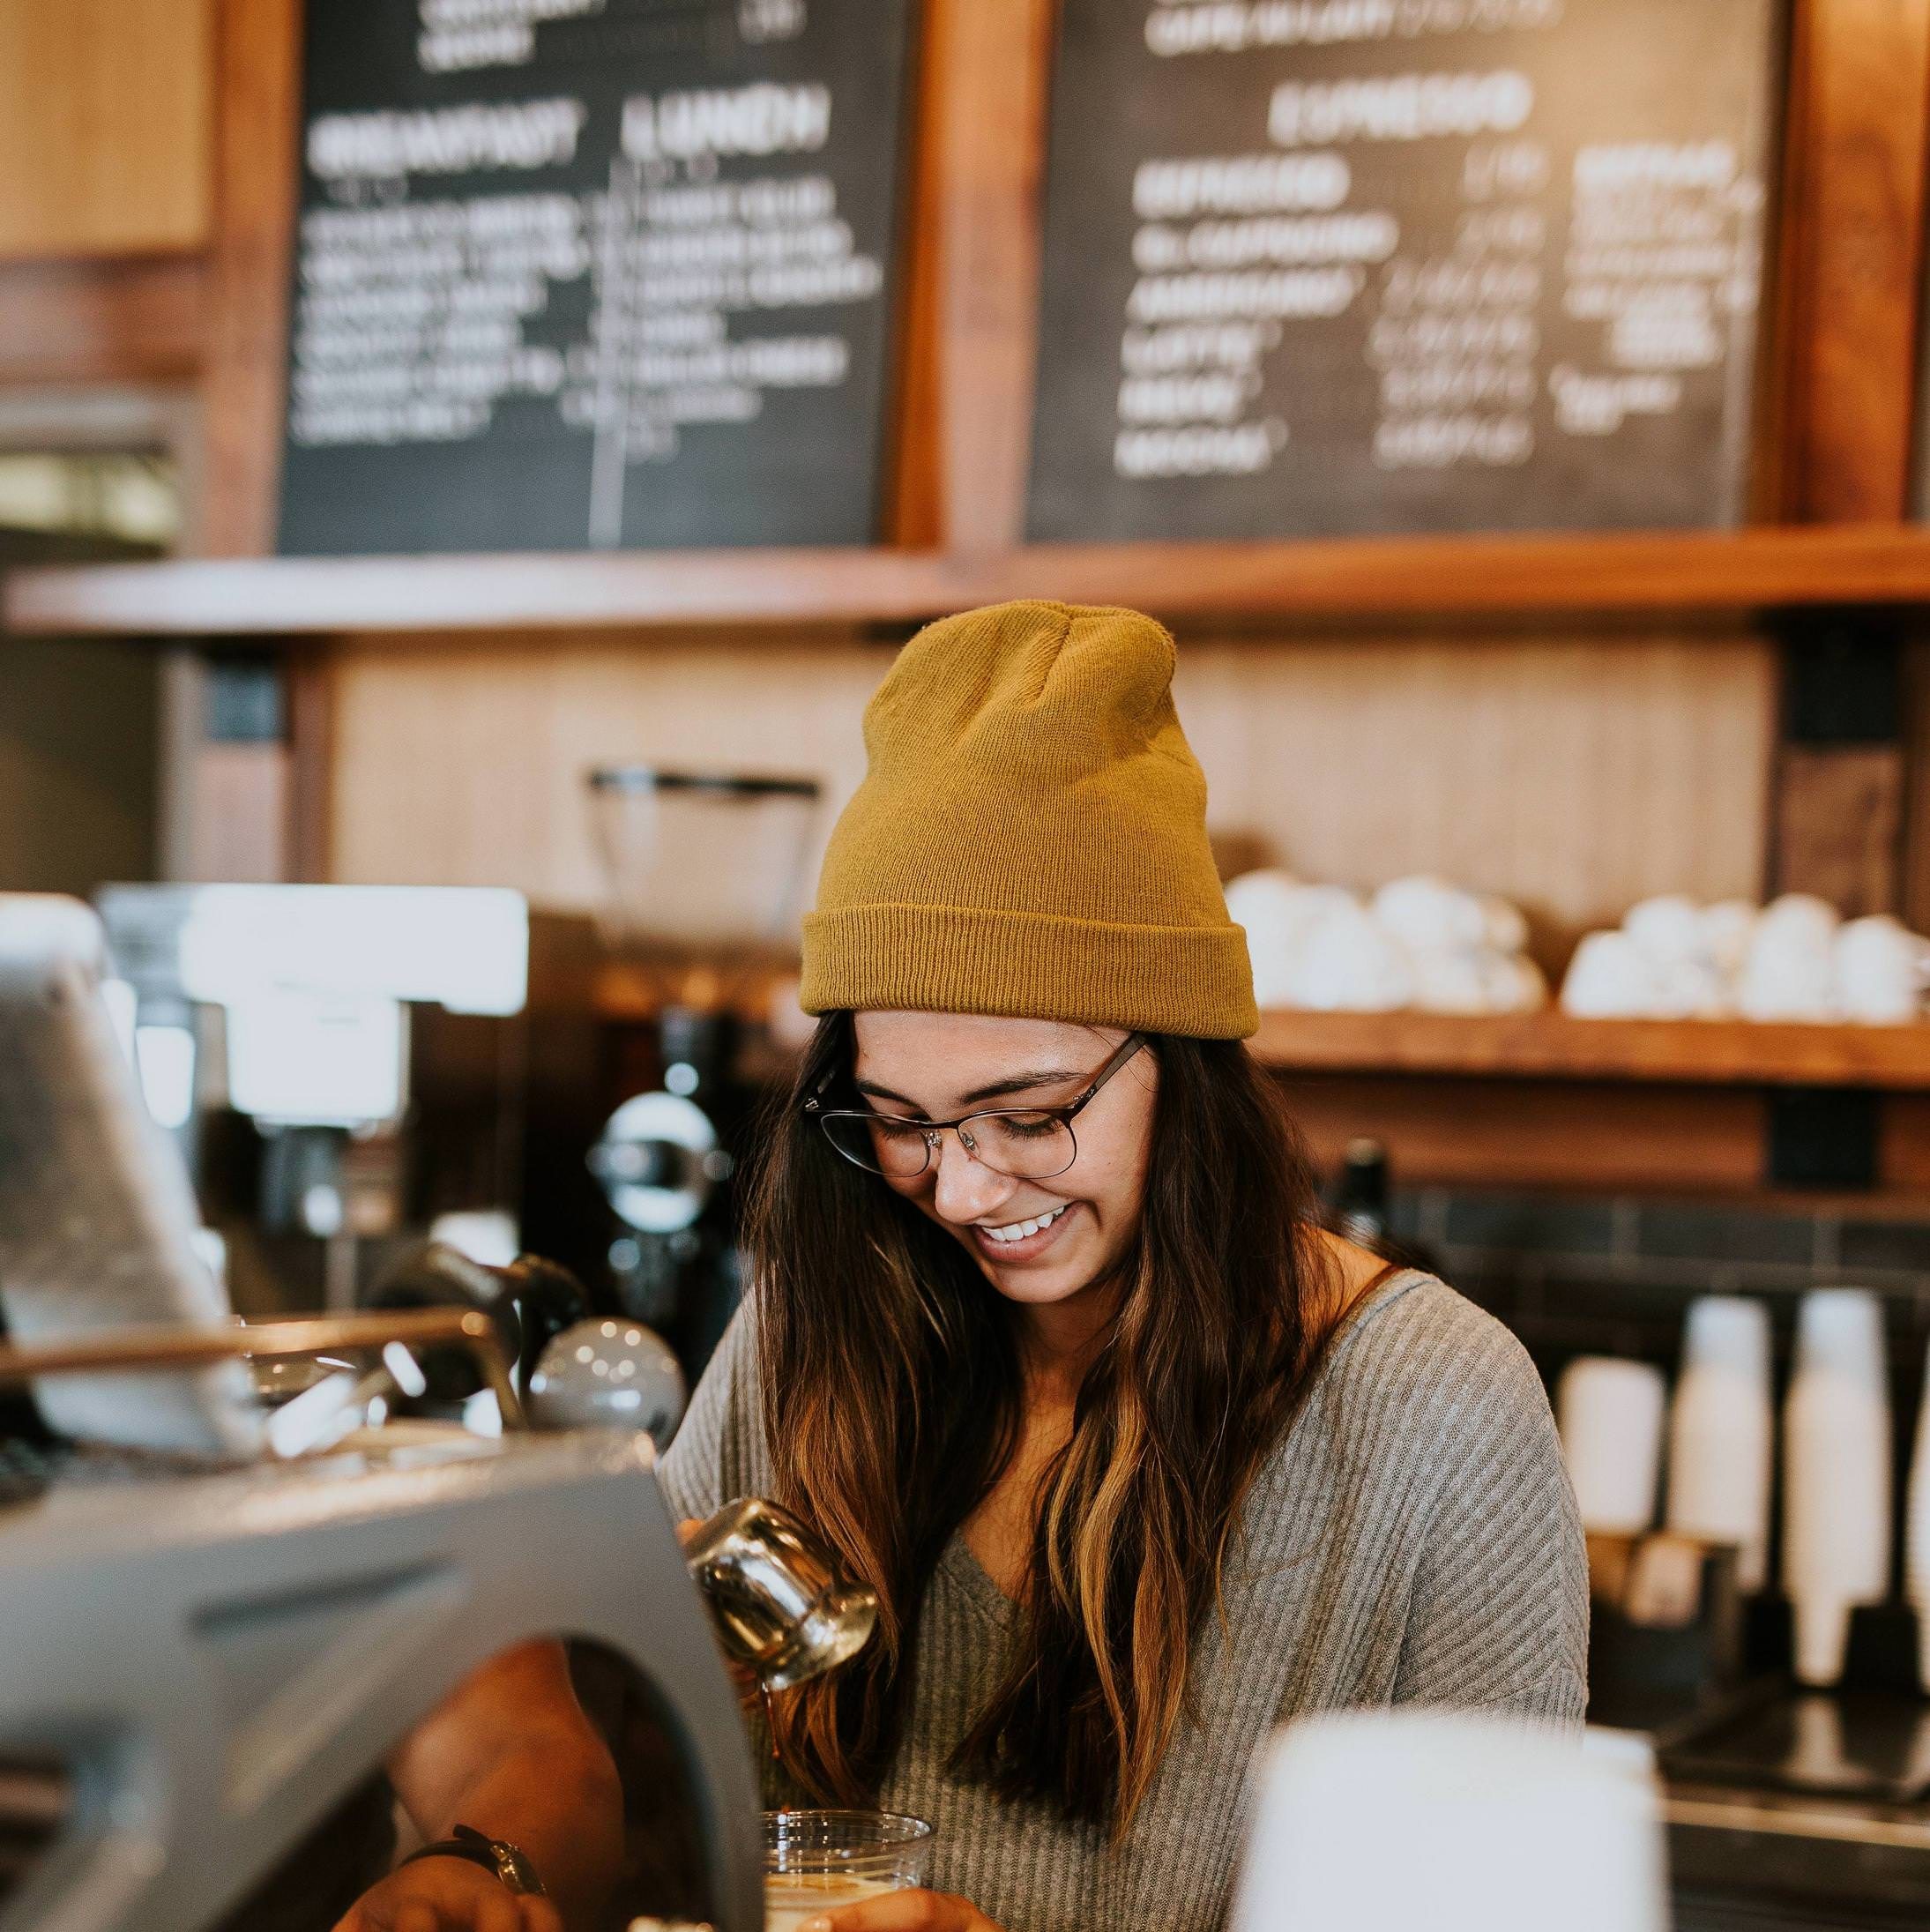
(1190, 979)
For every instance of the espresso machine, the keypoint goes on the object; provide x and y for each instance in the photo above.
(704, 872)
(222, 1611)
(337, 1065)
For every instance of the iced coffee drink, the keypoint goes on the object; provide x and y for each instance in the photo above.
(788, 1901)
(818, 1862)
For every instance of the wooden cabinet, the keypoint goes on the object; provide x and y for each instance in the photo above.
(106, 111)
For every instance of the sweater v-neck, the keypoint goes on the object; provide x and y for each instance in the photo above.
(958, 1563)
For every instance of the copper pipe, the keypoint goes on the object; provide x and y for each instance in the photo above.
(123, 1350)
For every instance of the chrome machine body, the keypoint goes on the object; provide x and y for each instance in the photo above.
(216, 1659)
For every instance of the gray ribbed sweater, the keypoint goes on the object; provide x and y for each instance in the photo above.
(1412, 1541)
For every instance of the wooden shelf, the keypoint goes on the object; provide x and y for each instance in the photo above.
(1550, 1046)
(1544, 1046)
(1447, 578)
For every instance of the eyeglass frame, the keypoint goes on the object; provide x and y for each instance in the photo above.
(931, 1130)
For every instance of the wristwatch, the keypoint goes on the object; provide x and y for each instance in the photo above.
(507, 1861)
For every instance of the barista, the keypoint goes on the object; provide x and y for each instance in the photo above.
(1046, 1344)
(516, 1798)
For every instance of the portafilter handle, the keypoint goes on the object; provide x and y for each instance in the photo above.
(781, 1607)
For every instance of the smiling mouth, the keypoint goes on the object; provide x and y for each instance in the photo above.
(1020, 1237)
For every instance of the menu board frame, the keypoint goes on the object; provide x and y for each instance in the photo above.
(746, 415)
(1206, 450)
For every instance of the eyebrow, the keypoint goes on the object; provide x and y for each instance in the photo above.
(1019, 1083)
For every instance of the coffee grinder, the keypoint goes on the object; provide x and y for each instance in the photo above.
(704, 872)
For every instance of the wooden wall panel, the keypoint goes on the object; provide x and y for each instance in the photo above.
(1524, 1133)
(1852, 257)
(1576, 775)
(104, 108)
(141, 319)
(258, 48)
(1838, 829)
(461, 764)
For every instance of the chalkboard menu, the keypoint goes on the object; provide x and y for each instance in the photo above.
(1316, 267)
(584, 274)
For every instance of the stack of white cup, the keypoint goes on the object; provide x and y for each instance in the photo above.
(1387, 1821)
(1722, 1433)
(1836, 1475)
(1610, 1415)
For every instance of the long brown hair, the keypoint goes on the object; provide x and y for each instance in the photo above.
(891, 1398)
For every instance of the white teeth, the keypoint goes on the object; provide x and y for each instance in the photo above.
(1018, 1230)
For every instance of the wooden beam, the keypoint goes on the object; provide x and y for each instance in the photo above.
(1839, 826)
(258, 99)
(995, 58)
(1853, 257)
(1550, 1045)
(310, 687)
(1844, 426)
(914, 510)
(136, 319)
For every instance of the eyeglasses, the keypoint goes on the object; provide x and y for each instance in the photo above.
(1025, 1144)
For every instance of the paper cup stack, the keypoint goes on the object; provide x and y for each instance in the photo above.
(1610, 1415)
(1722, 1433)
(1836, 1475)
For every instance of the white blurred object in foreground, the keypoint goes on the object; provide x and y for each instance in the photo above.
(1390, 1821)
(1421, 942)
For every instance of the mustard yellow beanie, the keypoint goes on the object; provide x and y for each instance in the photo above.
(1030, 838)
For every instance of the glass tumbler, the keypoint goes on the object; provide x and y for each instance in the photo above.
(819, 1861)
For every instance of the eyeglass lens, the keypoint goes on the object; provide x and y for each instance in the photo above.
(1025, 1146)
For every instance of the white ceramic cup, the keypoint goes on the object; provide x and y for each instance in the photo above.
(1269, 905)
(1609, 1414)
(1611, 977)
(1791, 970)
(1728, 929)
(1349, 963)
(1668, 929)
(1427, 915)
(1876, 971)
(1836, 1475)
(1722, 1431)
(1389, 1821)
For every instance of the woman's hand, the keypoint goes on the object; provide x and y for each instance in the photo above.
(447, 1895)
(904, 1912)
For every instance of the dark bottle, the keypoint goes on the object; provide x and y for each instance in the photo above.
(1358, 1210)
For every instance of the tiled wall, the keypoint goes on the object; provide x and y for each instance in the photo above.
(1575, 1275)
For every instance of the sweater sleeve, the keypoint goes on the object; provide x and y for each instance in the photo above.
(717, 1450)
(1499, 1615)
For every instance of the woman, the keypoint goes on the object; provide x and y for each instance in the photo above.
(1046, 1343)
